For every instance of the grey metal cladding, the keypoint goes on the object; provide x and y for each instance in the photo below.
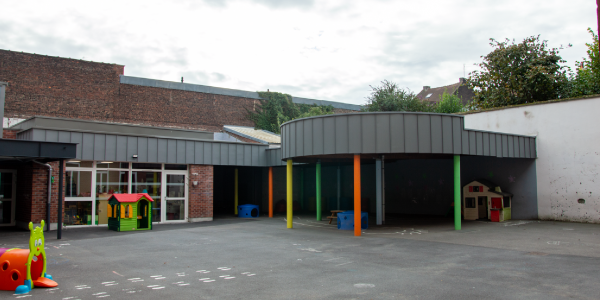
(341, 134)
(111, 148)
(457, 130)
(411, 133)
(307, 143)
(99, 147)
(232, 155)
(207, 154)
(121, 148)
(355, 134)
(77, 138)
(369, 137)
(216, 154)
(329, 140)
(486, 144)
(383, 134)
(152, 150)
(198, 153)
(142, 147)
(132, 148)
(299, 139)
(51, 136)
(190, 152)
(479, 141)
(317, 136)
(171, 151)
(436, 134)
(180, 156)
(87, 150)
(396, 132)
(424, 133)
(162, 150)
(247, 155)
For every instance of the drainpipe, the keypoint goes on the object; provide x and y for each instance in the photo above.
(49, 192)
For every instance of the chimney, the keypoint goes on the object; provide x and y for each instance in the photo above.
(3, 86)
(426, 87)
(462, 80)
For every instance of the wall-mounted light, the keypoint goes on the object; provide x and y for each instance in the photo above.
(195, 183)
(135, 156)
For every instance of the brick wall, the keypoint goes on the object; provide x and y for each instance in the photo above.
(9, 134)
(69, 88)
(32, 192)
(200, 199)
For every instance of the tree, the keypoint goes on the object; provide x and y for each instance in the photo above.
(275, 109)
(389, 97)
(586, 80)
(449, 104)
(518, 73)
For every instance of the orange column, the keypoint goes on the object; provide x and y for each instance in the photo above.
(357, 214)
(270, 192)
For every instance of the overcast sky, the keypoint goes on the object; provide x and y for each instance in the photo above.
(328, 50)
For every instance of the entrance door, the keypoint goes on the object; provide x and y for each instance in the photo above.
(143, 214)
(482, 207)
(175, 196)
(8, 190)
(497, 203)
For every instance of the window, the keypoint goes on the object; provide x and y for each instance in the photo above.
(469, 202)
(481, 201)
(78, 212)
(506, 202)
(78, 183)
(428, 95)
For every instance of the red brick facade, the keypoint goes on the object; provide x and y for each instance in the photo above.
(69, 88)
(200, 200)
(9, 134)
(32, 192)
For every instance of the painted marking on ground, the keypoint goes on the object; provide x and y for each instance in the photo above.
(364, 285)
(333, 258)
(345, 263)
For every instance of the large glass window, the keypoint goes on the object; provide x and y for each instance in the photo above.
(78, 213)
(5, 212)
(108, 183)
(78, 183)
(148, 182)
(175, 196)
(6, 185)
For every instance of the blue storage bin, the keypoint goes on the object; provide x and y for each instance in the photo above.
(248, 211)
(345, 220)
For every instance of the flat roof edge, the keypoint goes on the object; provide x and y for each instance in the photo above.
(131, 80)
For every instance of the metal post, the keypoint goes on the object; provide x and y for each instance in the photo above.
(290, 204)
(339, 187)
(383, 190)
(2, 93)
(378, 203)
(302, 188)
(318, 196)
(60, 199)
(357, 214)
(236, 191)
(457, 192)
(270, 192)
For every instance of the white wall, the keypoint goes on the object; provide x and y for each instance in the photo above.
(568, 148)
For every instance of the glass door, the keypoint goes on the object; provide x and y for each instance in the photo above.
(175, 196)
(8, 189)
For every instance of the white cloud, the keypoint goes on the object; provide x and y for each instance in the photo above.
(331, 50)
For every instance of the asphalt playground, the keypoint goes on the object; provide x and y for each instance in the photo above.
(409, 258)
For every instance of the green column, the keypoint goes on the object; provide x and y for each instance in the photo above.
(318, 191)
(457, 192)
(290, 194)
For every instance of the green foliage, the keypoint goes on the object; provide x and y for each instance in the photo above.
(390, 97)
(449, 104)
(518, 73)
(586, 80)
(275, 109)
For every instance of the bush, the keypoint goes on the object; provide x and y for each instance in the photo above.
(389, 97)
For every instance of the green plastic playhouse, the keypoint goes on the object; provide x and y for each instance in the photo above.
(129, 212)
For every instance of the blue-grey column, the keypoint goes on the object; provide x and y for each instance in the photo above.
(3, 86)
(339, 187)
(378, 190)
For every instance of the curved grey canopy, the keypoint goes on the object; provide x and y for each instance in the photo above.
(397, 135)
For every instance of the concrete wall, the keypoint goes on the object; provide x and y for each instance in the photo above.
(568, 160)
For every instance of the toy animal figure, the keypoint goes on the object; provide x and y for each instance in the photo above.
(22, 269)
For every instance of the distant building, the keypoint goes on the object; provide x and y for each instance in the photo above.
(460, 89)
